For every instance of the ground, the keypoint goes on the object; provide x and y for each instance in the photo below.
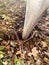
(13, 49)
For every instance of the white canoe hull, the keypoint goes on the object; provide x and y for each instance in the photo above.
(34, 9)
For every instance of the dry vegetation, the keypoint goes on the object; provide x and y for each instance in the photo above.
(13, 49)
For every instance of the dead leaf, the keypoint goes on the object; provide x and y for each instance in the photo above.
(42, 63)
(44, 44)
(46, 60)
(34, 51)
(30, 54)
(18, 52)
